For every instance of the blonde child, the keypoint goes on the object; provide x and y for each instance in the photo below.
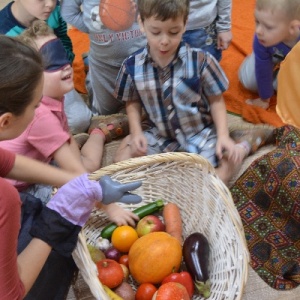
(277, 32)
(18, 15)
(47, 138)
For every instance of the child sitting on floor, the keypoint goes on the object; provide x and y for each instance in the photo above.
(180, 89)
(18, 15)
(47, 138)
(277, 31)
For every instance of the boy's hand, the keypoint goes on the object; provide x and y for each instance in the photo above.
(225, 144)
(223, 40)
(138, 145)
(232, 151)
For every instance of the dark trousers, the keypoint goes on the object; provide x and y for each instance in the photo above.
(54, 281)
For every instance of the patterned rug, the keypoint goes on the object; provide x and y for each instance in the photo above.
(267, 197)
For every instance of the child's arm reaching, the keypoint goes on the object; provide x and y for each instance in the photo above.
(261, 62)
(138, 140)
(119, 215)
(33, 171)
(69, 159)
(225, 144)
(224, 24)
(219, 116)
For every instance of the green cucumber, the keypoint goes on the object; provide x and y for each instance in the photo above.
(141, 212)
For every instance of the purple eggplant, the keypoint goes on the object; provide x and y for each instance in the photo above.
(196, 258)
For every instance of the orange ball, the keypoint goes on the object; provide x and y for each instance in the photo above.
(117, 15)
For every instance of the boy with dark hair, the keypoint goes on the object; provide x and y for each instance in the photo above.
(180, 89)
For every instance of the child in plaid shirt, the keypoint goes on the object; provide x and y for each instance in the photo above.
(180, 89)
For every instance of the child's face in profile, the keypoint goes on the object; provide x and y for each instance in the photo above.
(39, 9)
(272, 27)
(58, 83)
(163, 38)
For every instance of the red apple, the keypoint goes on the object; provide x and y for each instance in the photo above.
(149, 224)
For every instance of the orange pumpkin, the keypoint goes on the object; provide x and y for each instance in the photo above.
(154, 256)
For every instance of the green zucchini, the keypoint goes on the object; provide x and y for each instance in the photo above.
(141, 212)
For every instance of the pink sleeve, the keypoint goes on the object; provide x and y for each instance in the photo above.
(47, 133)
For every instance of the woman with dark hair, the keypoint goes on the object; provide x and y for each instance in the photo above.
(36, 241)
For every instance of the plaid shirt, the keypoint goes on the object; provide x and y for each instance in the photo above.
(175, 97)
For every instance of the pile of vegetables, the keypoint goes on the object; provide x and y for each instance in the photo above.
(164, 265)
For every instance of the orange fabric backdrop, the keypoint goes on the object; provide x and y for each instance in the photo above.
(81, 44)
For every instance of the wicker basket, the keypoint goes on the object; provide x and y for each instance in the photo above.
(206, 206)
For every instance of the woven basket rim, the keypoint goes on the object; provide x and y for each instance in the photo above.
(151, 159)
(81, 254)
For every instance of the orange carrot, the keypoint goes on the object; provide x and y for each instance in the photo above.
(173, 221)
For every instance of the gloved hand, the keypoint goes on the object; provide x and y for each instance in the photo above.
(114, 191)
(61, 220)
(75, 200)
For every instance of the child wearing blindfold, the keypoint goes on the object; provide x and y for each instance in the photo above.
(47, 138)
(18, 15)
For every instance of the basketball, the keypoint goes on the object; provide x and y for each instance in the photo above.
(117, 15)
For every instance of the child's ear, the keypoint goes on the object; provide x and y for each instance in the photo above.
(141, 24)
(295, 27)
(5, 120)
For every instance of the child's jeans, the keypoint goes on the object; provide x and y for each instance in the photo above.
(204, 38)
(54, 281)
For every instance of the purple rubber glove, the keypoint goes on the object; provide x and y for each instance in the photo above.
(75, 200)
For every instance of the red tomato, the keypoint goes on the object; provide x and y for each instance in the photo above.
(110, 273)
(172, 291)
(145, 291)
(124, 260)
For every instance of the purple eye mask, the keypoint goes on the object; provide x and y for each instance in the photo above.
(54, 55)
